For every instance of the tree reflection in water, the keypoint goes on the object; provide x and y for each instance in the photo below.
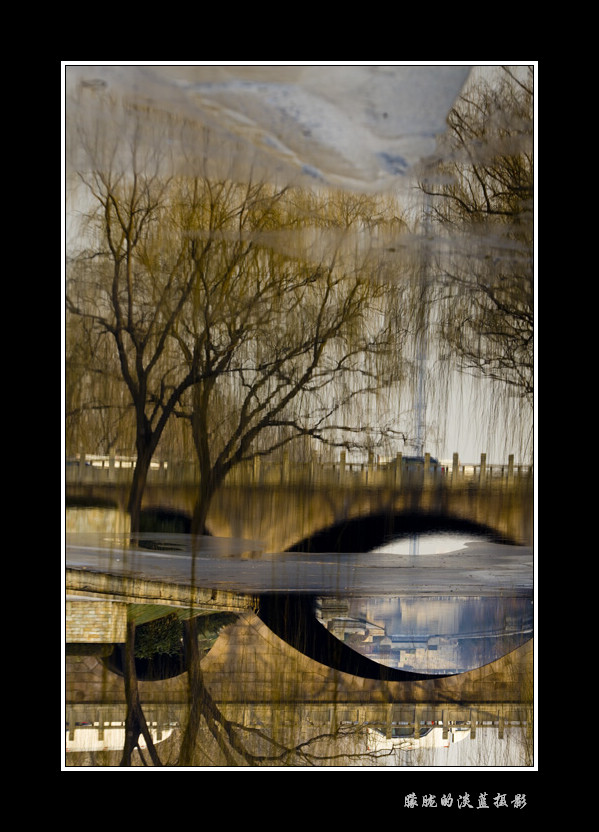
(211, 738)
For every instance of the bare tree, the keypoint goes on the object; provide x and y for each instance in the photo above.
(210, 737)
(134, 273)
(98, 413)
(133, 297)
(258, 310)
(135, 722)
(243, 745)
(291, 325)
(481, 194)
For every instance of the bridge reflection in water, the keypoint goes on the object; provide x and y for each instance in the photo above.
(379, 734)
(283, 708)
(268, 691)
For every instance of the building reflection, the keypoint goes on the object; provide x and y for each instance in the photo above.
(438, 634)
(375, 732)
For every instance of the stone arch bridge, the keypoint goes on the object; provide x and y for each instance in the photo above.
(285, 505)
(281, 505)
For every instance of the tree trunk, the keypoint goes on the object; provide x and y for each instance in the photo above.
(135, 721)
(140, 477)
(202, 705)
(208, 486)
(195, 696)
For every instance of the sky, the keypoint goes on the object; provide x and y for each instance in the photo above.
(354, 125)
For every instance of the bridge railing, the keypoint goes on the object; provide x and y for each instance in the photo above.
(375, 471)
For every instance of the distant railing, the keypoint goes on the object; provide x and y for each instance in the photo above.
(375, 470)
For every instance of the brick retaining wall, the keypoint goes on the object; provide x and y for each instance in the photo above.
(95, 622)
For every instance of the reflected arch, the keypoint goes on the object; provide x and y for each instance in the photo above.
(292, 618)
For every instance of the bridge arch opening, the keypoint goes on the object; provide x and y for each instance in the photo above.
(162, 647)
(387, 638)
(365, 533)
(165, 521)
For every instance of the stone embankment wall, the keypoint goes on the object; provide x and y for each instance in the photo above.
(106, 521)
(95, 622)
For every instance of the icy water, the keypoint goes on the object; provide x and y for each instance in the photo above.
(356, 126)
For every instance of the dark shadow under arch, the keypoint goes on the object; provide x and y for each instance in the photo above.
(162, 520)
(153, 669)
(160, 666)
(83, 501)
(362, 534)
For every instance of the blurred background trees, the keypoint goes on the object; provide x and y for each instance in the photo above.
(479, 198)
(255, 314)
(223, 317)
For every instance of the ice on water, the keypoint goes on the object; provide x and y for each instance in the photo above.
(354, 126)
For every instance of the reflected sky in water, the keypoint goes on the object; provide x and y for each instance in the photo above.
(437, 634)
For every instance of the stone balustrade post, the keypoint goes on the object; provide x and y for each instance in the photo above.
(473, 722)
(427, 465)
(312, 467)
(285, 467)
(398, 464)
(455, 467)
(483, 467)
(342, 464)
